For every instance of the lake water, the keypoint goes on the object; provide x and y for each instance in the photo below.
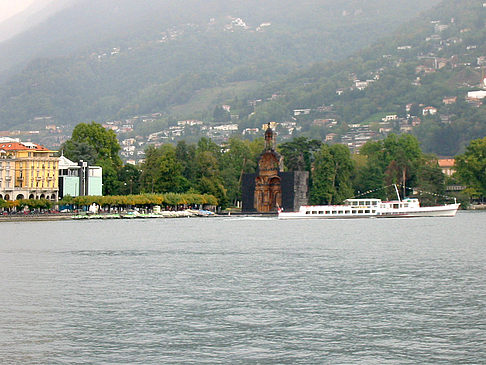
(244, 291)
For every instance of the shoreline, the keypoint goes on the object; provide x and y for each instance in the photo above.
(108, 216)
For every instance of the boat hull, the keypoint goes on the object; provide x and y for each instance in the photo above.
(448, 210)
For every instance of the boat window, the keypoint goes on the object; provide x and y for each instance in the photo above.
(396, 206)
(307, 212)
(360, 211)
(373, 211)
(361, 202)
(367, 211)
(328, 212)
(354, 211)
(314, 212)
(321, 212)
(406, 205)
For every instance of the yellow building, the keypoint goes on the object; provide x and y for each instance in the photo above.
(27, 171)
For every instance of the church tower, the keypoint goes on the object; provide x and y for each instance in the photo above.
(268, 189)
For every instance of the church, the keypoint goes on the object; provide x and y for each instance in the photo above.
(270, 188)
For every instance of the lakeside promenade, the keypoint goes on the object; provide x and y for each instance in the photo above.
(21, 217)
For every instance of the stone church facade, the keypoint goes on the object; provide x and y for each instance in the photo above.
(270, 188)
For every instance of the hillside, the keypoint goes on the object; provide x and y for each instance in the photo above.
(101, 60)
(419, 79)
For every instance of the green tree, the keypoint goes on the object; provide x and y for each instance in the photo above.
(298, 153)
(331, 177)
(221, 115)
(431, 182)
(397, 157)
(162, 172)
(96, 145)
(102, 140)
(235, 161)
(471, 168)
(77, 151)
(129, 177)
(209, 180)
(186, 155)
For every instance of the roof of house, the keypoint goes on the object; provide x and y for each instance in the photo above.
(446, 162)
(65, 163)
(18, 146)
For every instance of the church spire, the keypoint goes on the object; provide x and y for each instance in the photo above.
(269, 138)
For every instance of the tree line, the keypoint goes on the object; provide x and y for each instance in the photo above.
(207, 169)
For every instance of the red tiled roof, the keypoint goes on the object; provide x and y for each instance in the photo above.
(16, 146)
(447, 162)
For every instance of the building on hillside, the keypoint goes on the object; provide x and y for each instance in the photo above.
(430, 110)
(449, 100)
(447, 166)
(79, 179)
(271, 188)
(27, 171)
(476, 95)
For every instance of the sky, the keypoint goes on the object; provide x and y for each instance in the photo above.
(9, 8)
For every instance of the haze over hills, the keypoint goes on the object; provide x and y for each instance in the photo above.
(105, 59)
(34, 14)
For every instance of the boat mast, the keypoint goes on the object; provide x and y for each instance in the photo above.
(398, 194)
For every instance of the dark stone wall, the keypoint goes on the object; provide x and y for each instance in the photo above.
(295, 190)
(248, 192)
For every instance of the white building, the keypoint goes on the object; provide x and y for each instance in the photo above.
(476, 95)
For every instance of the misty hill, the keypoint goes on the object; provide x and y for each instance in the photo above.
(105, 59)
(33, 15)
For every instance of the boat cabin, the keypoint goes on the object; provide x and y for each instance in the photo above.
(351, 208)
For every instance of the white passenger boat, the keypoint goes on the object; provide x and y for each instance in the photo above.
(352, 208)
(368, 208)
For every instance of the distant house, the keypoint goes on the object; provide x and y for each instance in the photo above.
(447, 166)
(389, 117)
(429, 110)
(226, 127)
(324, 122)
(476, 95)
(330, 137)
(361, 85)
(250, 131)
(301, 112)
(449, 100)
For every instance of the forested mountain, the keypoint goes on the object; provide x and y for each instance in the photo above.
(421, 74)
(106, 59)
